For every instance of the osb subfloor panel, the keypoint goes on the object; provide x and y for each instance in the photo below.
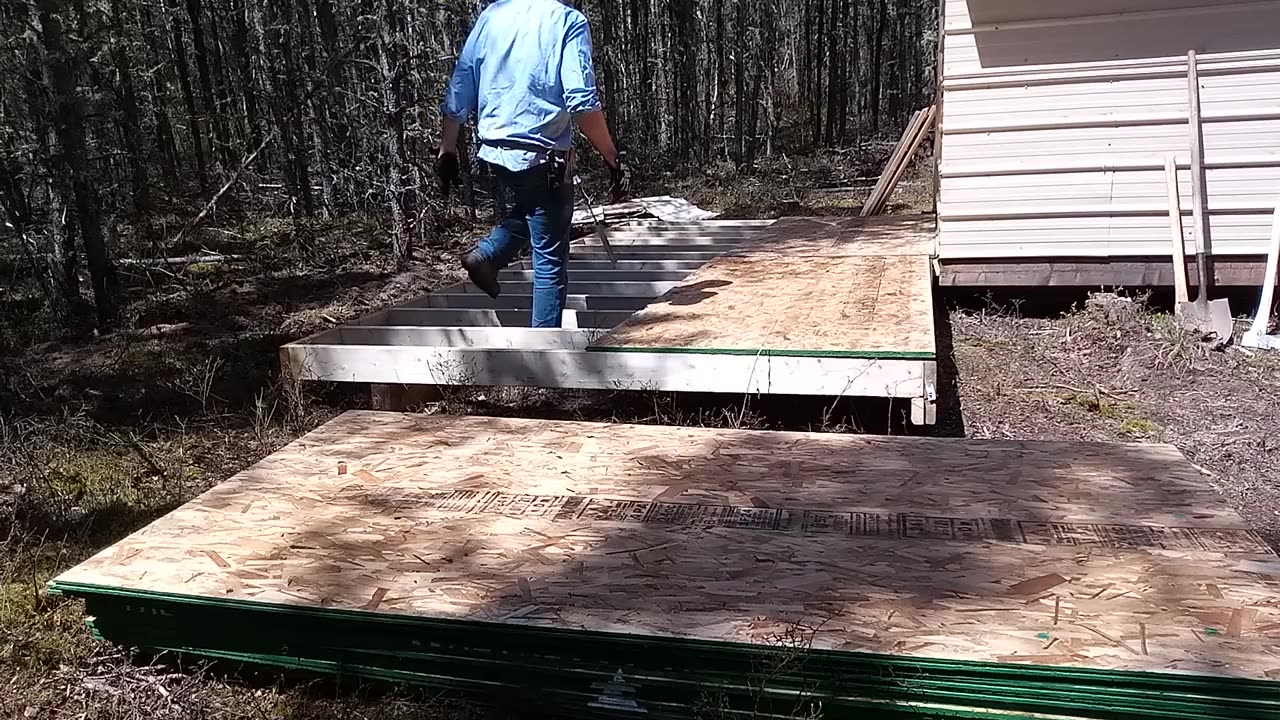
(845, 236)
(774, 304)
(1074, 554)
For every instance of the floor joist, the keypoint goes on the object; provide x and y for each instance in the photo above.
(599, 275)
(623, 288)
(520, 338)
(473, 317)
(509, 301)
(577, 263)
(644, 252)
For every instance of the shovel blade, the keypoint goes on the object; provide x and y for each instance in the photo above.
(1212, 317)
(603, 236)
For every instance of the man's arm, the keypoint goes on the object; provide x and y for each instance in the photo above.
(459, 100)
(449, 129)
(460, 95)
(593, 125)
(577, 75)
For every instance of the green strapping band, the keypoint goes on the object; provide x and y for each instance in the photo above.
(1269, 689)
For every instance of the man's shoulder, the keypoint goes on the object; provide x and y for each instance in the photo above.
(567, 16)
(573, 16)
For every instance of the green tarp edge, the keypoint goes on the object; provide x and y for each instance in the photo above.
(920, 710)
(1113, 693)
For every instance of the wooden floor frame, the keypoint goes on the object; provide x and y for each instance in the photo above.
(460, 336)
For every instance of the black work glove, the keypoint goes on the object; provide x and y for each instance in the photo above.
(448, 172)
(619, 179)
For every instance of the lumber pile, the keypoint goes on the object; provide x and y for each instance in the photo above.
(662, 207)
(619, 675)
(917, 130)
(606, 570)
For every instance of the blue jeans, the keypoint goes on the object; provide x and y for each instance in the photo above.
(539, 217)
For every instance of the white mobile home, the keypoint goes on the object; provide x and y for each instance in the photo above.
(1056, 116)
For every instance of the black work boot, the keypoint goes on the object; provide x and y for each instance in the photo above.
(482, 273)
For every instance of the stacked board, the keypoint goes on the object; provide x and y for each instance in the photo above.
(805, 287)
(612, 569)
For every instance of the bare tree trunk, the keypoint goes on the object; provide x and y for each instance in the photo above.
(62, 260)
(763, 44)
(710, 82)
(269, 30)
(130, 116)
(849, 102)
(740, 85)
(835, 82)
(317, 95)
(609, 66)
(289, 107)
(644, 41)
(877, 56)
(819, 67)
(68, 122)
(722, 62)
(167, 145)
(398, 193)
(179, 48)
(194, 14)
(54, 259)
(224, 108)
(338, 121)
(805, 66)
(248, 91)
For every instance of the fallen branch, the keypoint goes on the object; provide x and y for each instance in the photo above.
(161, 330)
(183, 260)
(1114, 394)
(218, 196)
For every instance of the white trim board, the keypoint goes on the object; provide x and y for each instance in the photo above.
(567, 368)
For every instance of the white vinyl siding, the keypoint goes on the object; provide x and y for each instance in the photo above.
(1054, 130)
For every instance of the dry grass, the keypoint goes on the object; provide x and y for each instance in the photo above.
(830, 182)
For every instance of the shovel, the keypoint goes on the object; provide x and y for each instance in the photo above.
(602, 233)
(1211, 317)
(1256, 336)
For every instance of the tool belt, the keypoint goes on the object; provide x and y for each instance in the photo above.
(558, 161)
(557, 170)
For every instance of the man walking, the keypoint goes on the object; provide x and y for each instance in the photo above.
(526, 72)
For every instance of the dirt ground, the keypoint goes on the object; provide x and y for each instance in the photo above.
(98, 437)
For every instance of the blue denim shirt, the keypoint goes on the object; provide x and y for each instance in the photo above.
(525, 71)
